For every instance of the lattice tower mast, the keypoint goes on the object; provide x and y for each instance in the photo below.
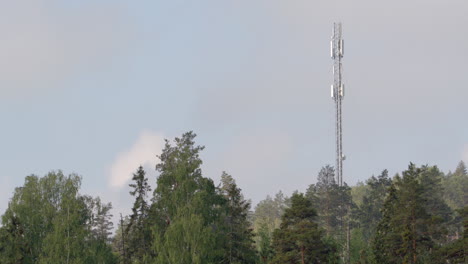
(337, 94)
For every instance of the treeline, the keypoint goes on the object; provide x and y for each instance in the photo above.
(418, 216)
(48, 221)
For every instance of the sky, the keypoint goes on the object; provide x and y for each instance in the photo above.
(93, 88)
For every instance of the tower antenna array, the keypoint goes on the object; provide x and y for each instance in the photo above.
(337, 94)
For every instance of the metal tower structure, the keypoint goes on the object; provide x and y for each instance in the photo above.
(337, 94)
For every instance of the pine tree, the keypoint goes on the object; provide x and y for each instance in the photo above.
(439, 212)
(412, 217)
(386, 241)
(299, 239)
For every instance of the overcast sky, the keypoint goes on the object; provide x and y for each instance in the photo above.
(93, 87)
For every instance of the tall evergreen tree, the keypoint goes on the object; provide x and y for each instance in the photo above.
(413, 213)
(138, 230)
(368, 214)
(239, 235)
(333, 202)
(187, 207)
(387, 241)
(430, 179)
(299, 239)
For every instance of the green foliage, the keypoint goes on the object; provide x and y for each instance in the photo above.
(238, 233)
(333, 202)
(12, 244)
(267, 218)
(99, 218)
(269, 211)
(186, 240)
(457, 251)
(299, 238)
(413, 216)
(360, 251)
(186, 206)
(358, 192)
(456, 187)
(368, 214)
(119, 242)
(47, 221)
(65, 243)
(419, 217)
(137, 231)
(264, 243)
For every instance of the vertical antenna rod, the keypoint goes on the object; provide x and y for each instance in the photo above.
(337, 94)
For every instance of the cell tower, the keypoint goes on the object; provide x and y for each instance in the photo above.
(337, 94)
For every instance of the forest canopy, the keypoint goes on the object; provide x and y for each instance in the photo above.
(417, 216)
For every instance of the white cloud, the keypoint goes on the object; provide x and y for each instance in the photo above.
(143, 152)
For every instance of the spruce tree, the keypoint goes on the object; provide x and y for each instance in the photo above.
(239, 235)
(299, 238)
(138, 230)
(386, 241)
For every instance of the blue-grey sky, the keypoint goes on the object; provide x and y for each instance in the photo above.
(93, 87)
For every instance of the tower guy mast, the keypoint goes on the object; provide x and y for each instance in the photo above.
(337, 94)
